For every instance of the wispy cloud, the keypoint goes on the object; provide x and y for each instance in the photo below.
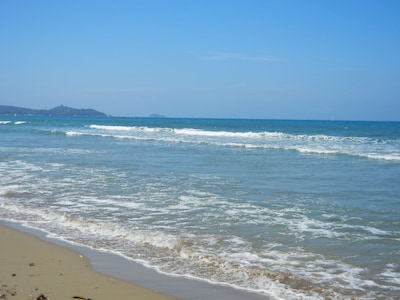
(236, 56)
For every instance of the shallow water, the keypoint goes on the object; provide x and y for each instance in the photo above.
(289, 209)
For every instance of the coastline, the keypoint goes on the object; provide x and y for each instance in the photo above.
(31, 268)
(60, 270)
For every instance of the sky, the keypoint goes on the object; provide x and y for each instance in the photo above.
(265, 59)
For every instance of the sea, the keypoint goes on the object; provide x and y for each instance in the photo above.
(283, 208)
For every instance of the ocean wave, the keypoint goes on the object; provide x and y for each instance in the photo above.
(130, 128)
(75, 133)
(274, 272)
(260, 207)
(268, 135)
(346, 151)
(208, 133)
(281, 271)
(12, 122)
(363, 147)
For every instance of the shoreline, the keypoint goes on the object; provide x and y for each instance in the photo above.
(31, 268)
(109, 274)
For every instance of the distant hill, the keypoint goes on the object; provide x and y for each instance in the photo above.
(56, 111)
(156, 116)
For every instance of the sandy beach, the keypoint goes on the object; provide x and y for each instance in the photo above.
(34, 269)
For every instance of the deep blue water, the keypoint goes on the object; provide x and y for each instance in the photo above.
(290, 209)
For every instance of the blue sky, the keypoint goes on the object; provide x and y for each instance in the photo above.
(268, 59)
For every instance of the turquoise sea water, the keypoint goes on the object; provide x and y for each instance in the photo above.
(289, 209)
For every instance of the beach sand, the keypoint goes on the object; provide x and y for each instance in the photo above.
(31, 267)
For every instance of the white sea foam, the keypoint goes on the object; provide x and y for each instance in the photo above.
(231, 264)
(392, 275)
(130, 128)
(307, 144)
(216, 205)
(392, 157)
(74, 133)
(197, 132)
(15, 122)
(314, 150)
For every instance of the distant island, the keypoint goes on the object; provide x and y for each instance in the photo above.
(156, 116)
(56, 111)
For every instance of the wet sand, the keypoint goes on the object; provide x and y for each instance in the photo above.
(61, 270)
(31, 268)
